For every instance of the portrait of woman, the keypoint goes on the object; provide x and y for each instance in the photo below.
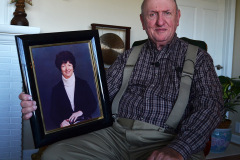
(72, 100)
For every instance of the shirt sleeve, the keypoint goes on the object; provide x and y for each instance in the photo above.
(204, 111)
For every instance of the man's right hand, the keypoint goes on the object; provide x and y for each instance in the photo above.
(27, 104)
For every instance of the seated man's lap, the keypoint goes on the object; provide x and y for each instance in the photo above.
(108, 144)
(102, 144)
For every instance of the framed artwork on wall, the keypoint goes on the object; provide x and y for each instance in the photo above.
(64, 73)
(114, 40)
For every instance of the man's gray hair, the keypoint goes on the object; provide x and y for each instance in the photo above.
(144, 2)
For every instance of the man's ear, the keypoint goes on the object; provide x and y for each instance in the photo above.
(142, 21)
(178, 17)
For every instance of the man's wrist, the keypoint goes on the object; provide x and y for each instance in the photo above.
(182, 148)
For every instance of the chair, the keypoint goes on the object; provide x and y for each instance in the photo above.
(198, 43)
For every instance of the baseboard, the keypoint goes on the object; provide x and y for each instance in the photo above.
(27, 153)
(235, 139)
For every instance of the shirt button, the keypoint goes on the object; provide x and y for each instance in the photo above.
(153, 85)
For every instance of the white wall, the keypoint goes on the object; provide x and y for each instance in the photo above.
(10, 112)
(10, 87)
(67, 15)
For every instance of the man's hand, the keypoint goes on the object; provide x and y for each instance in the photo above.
(165, 154)
(27, 104)
(75, 115)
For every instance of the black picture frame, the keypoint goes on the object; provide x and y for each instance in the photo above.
(37, 54)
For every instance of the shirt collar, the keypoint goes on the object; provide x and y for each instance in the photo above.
(169, 45)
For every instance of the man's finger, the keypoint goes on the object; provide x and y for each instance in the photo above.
(26, 104)
(26, 110)
(24, 97)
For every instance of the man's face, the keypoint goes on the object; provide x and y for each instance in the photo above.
(160, 20)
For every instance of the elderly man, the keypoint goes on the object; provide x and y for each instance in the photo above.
(140, 130)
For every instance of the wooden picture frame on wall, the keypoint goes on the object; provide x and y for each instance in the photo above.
(114, 40)
(125, 29)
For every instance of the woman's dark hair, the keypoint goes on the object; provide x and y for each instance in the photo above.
(64, 57)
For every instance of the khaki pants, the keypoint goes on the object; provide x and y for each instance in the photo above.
(125, 140)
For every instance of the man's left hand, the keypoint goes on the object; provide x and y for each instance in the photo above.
(165, 154)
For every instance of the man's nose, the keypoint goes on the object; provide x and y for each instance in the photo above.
(160, 20)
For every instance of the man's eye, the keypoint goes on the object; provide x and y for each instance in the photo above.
(152, 15)
(167, 13)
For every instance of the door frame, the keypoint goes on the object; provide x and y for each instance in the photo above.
(228, 41)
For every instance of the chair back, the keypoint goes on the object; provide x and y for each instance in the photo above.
(198, 43)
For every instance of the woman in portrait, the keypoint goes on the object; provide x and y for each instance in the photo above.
(72, 98)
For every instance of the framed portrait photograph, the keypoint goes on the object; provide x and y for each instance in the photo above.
(64, 73)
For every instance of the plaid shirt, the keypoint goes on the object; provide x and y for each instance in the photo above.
(153, 90)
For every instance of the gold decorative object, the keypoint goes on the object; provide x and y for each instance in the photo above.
(112, 45)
